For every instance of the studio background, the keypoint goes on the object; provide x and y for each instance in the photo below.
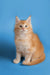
(40, 12)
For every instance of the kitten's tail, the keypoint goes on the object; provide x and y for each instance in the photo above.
(37, 61)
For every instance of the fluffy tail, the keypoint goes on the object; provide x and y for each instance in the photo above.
(37, 61)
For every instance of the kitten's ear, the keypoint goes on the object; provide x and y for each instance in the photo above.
(17, 20)
(29, 19)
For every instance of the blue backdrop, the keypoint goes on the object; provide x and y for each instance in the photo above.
(39, 10)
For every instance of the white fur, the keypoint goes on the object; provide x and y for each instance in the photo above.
(22, 46)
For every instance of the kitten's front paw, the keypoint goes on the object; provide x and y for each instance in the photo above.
(25, 62)
(16, 61)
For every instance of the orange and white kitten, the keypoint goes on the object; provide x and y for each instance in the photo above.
(27, 43)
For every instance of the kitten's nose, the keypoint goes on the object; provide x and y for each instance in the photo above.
(23, 28)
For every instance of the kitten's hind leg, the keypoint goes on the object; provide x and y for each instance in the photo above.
(18, 58)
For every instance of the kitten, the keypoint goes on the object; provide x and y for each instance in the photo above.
(27, 43)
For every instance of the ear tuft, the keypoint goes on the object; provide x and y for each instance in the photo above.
(29, 19)
(17, 20)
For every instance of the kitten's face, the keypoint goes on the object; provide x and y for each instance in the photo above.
(23, 26)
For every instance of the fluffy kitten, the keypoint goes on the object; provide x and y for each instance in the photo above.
(27, 43)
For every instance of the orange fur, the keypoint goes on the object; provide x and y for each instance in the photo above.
(27, 43)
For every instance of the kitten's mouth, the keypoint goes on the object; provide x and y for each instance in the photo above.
(23, 30)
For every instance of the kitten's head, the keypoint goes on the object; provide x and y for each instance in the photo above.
(23, 25)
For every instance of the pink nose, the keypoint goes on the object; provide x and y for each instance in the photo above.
(23, 28)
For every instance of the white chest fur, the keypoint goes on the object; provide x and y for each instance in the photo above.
(22, 43)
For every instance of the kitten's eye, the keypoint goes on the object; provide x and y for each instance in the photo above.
(25, 25)
(20, 25)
